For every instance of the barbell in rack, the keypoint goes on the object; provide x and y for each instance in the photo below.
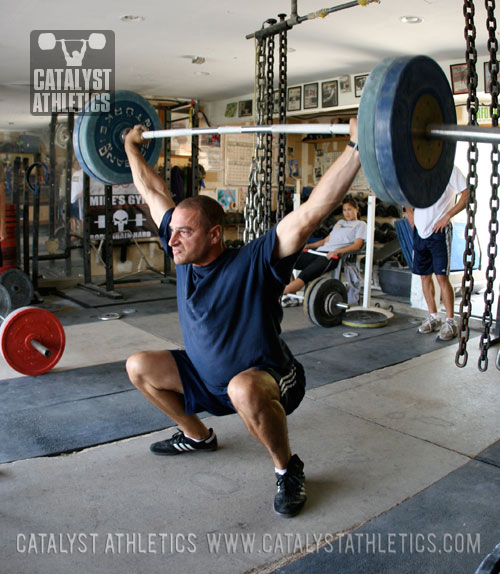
(407, 132)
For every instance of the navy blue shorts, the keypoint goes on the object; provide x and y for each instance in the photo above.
(432, 254)
(198, 398)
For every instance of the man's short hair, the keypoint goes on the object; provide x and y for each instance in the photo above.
(211, 212)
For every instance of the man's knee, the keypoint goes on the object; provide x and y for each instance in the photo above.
(443, 280)
(156, 369)
(252, 390)
(137, 365)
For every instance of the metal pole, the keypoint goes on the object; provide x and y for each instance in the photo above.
(370, 234)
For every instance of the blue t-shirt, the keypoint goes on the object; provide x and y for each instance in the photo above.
(229, 310)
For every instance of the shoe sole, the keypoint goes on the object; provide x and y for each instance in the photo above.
(196, 451)
(428, 332)
(176, 453)
(439, 338)
(289, 514)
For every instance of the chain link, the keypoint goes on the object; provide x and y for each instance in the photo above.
(254, 207)
(489, 296)
(281, 180)
(269, 93)
(472, 156)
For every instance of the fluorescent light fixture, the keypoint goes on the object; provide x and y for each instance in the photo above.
(411, 20)
(132, 18)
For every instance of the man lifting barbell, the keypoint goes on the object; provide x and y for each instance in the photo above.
(76, 57)
(229, 311)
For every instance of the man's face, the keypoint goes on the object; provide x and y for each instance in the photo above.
(190, 240)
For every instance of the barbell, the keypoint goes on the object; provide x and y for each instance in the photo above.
(407, 132)
(47, 41)
(32, 340)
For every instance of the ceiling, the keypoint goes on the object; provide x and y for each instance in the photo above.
(154, 55)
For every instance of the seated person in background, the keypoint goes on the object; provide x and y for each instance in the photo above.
(347, 236)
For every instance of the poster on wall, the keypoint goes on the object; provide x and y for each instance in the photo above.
(228, 198)
(131, 216)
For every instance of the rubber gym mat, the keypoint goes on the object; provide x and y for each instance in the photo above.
(328, 356)
(315, 338)
(67, 410)
(65, 427)
(448, 527)
(76, 315)
(491, 455)
(63, 387)
(137, 292)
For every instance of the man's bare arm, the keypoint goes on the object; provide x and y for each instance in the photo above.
(148, 183)
(294, 229)
(457, 208)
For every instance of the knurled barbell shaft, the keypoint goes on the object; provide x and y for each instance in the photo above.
(434, 131)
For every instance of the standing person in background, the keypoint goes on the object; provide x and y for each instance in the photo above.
(432, 234)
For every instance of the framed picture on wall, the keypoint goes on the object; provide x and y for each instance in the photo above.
(245, 108)
(293, 100)
(329, 94)
(310, 96)
(359, 84)
(276, 102)
(345, 84)
(458, 74)
(487, 78)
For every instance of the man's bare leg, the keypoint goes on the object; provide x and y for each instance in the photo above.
(256, 397)
(155, 374)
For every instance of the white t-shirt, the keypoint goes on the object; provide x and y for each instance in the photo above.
(425, 218)
(344, 233)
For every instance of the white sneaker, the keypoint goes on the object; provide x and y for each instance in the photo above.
(448, 331)
(430, 325)
(288, 301)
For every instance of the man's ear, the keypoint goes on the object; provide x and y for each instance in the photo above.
(216, 234)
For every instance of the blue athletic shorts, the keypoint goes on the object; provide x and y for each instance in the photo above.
(432, 254)
(198, 398)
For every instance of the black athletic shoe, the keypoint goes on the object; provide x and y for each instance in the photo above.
(179, 444)
(291, 495)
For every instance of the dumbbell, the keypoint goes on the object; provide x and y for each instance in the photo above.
(47, 41)
(32, 340)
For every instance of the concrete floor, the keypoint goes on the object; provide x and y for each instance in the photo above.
(370, 444)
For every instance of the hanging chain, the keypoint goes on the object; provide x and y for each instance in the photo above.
(472, 155)
(280, 199)
(269, 92)
(489, 296)
(254, 208)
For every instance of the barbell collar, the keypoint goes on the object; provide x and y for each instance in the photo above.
(323, 129)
